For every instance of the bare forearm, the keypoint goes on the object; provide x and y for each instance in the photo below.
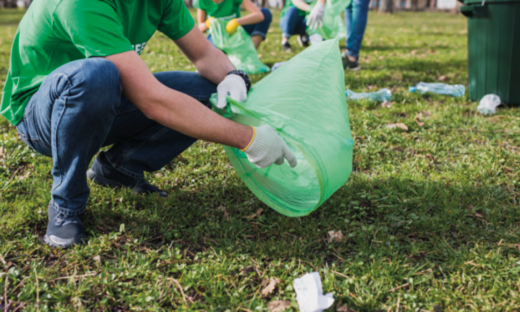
(214, 65)
(183, 113)
(300, 4)
(251, 19)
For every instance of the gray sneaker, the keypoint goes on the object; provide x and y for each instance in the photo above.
(64, 231)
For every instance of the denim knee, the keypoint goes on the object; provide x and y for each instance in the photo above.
(99, 82)
(268, 17)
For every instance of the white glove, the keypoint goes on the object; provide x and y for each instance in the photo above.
(267, 147)
(234, 86)
(315, 18)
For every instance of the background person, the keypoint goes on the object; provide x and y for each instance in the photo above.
(76, 83)
(256, 24)
(356, 15)
(293, 22)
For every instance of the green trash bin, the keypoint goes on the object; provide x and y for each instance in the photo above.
(493, 49)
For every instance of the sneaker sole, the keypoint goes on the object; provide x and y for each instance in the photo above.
(57, 242)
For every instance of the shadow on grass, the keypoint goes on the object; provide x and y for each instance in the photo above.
(418, 218)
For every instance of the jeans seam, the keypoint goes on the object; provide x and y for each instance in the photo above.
(68, 212)
(55, 135)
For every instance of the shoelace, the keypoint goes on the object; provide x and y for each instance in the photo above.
(62, 219)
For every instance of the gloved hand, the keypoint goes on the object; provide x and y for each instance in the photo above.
(208, 22)
(231, 26)
(234, 86)
(315, 18)
(267, 147)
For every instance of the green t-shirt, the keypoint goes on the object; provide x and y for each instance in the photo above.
(288, 4)
(227, 9)
(55, 32)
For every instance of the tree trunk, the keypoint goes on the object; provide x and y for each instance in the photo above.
(386, 6)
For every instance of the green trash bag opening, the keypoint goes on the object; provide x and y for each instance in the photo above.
(333, 24)
(305, 101)
(238, 47)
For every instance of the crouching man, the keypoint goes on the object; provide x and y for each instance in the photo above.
(76, 83)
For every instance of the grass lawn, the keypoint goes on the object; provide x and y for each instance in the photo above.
(430, 214)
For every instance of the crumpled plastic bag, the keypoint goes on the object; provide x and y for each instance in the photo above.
(309, 293)
(304, 100)
(488, 104)
(239, 47)
(333, 24)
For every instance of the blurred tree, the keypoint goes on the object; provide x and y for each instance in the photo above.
(386, 6)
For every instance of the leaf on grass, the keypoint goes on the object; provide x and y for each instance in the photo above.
(418, 121)
(387, 104)
(442, 78)
(397, 125)
(343, 309)
(429, 156)
(470, 207)
(478, 215)
(278, 305)
(246, 271)
(269, 288)
(255, 215)
(224, 211)
(414, 52)
(426, 113)
(335, 236)
(381, 58)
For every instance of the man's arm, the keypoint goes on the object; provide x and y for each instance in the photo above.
(211, 63)
(177, 110)
(300, 4)
(201, 20)
(255, 15)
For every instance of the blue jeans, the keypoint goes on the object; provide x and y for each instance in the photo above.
(80, 108)
(356, 15)
(293, 23)
(258, 29)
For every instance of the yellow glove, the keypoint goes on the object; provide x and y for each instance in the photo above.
(208, 22)
(232, 26)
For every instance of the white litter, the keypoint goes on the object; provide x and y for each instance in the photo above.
(309, 293)
(488, 104)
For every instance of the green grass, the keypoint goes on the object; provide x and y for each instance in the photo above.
(430, 215)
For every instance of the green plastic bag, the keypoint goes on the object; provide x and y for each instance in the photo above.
(304, 100)
(333, 24)
(239, 48)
